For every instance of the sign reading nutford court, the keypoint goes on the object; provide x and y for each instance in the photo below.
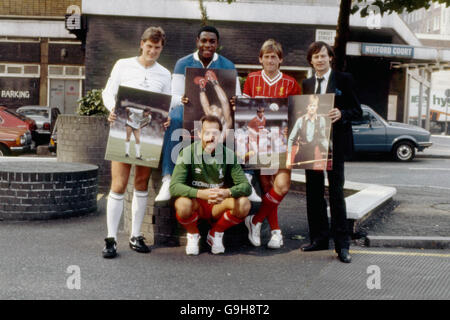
(386, 50)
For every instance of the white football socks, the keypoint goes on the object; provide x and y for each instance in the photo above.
(138, 149)
(138, 208)
(127, 147)
(114, 209)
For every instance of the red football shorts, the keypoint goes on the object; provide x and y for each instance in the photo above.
(206, 209)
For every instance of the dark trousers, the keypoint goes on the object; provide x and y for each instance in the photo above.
(317, 206)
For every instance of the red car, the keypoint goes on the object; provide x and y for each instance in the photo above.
(14, 141)
(11, 119)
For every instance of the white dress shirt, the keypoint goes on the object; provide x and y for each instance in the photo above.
(324, 83)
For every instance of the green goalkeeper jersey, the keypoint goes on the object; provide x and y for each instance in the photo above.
(196, 170)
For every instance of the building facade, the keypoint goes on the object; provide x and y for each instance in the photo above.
(41, 62)
(434, 20)
(383, 57)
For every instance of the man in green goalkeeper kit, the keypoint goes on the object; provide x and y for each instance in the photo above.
(208, 183)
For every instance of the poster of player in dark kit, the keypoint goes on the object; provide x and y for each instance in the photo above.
(261, 128)
(309, 145)
(209, 91)
(136, 137)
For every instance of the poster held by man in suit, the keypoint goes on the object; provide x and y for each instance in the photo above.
(309, 145)
(209, 91)
(136, 137)
(261, 127)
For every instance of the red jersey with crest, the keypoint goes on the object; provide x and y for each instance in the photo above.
(258, 85)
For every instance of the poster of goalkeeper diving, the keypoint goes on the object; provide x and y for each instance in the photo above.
(261, 128)
(209, 92)
(136, 137)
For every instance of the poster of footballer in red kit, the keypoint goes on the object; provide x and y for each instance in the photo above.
(261, 128)
(209, 91)
(136, 137)
(309, 145)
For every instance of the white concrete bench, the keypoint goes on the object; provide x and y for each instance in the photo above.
(367, 196)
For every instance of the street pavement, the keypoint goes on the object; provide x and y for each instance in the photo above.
(421, 206)
(61, 259)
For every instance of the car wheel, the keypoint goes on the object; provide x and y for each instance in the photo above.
(404, 151)
(4, 151)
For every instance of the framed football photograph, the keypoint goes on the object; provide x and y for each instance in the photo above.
(309, 145)
(261, 128)
(136, 137)
(209, 91)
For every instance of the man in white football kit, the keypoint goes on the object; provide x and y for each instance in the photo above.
(142, 72)
(137, 119)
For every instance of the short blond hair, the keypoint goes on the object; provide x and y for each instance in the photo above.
(271, 45)
(314, 99)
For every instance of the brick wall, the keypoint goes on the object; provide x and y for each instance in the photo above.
(25, 52)
(47, 194)
(112, 38)
(36, 7)
(83, 139)
(74, 54)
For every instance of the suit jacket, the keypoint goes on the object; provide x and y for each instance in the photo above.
(341, 84)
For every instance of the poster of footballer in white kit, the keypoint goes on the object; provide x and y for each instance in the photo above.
(209, 92)
(136, 137)
(261, 128)
(309, 145)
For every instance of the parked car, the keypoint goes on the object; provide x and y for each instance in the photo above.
(374, 134)
(45, 118)
(11, 119)
(14, 141)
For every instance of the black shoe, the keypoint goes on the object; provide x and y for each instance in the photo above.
(138, 244)
(110, 249)
(344, 256)
(316, 246)
(139, 158)
(126, 155)
(358, 235)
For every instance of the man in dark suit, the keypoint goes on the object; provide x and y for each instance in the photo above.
(346, 108)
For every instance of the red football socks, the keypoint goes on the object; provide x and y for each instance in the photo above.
(226, 221)
(190, 224)
(269, 209)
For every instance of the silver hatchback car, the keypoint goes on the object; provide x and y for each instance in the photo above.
(45, 118)
(374, 134)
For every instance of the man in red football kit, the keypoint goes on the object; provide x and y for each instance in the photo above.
(270, 83)
(256, 125)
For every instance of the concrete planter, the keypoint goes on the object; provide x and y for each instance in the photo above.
(83, 139)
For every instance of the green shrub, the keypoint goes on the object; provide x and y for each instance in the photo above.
(92, 104)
